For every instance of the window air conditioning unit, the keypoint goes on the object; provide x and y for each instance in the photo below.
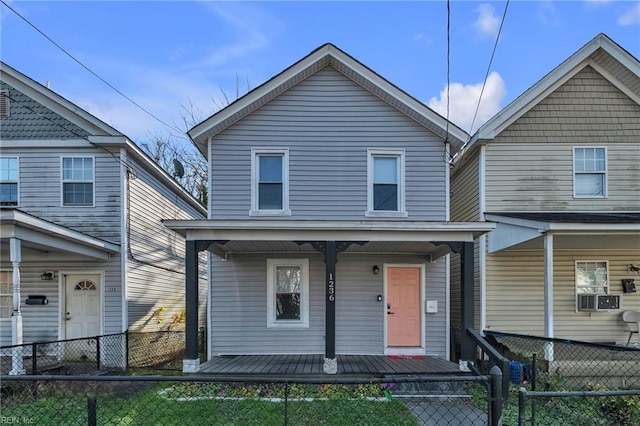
(599, 302)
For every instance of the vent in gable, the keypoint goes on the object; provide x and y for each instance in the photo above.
(4, 103)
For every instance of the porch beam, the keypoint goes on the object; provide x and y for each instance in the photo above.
(191, 362)
(15, 255)
(467, 355)
(548, 285)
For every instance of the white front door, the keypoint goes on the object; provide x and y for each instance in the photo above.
(82, 309)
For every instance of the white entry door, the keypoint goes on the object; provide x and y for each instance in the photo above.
(82, 312)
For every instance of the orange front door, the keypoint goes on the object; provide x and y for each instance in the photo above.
(403, 307)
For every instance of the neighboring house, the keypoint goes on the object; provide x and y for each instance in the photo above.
(328, 225)
(84, 251)
(558, 171)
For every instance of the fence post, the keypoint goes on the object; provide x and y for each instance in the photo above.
(286, 403)
(98, 351)
(126, 349)
(534, 378)
(92, 411)
(522, 406)
(495, 396)
(34, 358)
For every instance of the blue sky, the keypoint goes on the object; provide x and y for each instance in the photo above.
(176, 56)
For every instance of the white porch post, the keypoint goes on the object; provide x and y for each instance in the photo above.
(17, 363)
(548, 293)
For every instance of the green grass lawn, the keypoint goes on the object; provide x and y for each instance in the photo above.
(147, 407)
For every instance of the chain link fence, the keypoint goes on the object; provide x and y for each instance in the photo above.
(172, 400)
(561, 364)
(162, 350)
(589, 408)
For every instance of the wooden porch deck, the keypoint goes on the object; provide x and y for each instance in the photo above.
(312, 364)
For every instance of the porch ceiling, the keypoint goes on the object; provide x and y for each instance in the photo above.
(38, 235)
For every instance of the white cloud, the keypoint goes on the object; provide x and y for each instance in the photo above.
(422, 38)
(487, 23)
(631, 17)
(464, 101)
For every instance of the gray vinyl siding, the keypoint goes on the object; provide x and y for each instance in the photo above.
(28, 119)
(327, 121)
(239, 309)
(465, 206)
(239, 306)
(530, 164)
(40, 190)
(155, 256)
(43, 322)
(515, 300)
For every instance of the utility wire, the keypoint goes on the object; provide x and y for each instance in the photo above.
(495, 46)
(90, 70)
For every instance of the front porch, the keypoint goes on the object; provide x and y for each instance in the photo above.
(313, 364)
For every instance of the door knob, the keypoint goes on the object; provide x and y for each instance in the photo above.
(68, 316)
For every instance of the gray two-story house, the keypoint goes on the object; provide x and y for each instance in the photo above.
(84, 252)
(328, 225)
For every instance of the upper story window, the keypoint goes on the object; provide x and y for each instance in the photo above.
(589, 172)
(592, 277)
(288, 293)
(9, 181)
(385, 183)
(77, 181)
(270, 182)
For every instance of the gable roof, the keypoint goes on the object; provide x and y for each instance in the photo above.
(601, 53)
(99, 132)
(55, 102)
(327, 55)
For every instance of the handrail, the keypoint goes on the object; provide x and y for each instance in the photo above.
(496, 358)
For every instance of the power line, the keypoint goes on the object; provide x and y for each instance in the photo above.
(90, 70)
(495, 46)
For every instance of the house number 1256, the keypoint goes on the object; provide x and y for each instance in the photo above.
(331, 284)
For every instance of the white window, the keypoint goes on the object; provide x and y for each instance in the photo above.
(270, 182)
(592, 276)
(77, 181)
(385, 182)
(288, 293)
(589, 172)
(9, 181)
(6, 294)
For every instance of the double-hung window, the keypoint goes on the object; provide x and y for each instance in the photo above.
(287, 293)
(77, 181)
(592, 276)
(270, 182)
(9, 181)
(385, 182)
(589, 172)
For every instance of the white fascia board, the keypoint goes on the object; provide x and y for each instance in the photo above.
(595, 227)
(525, 223)
(44, 143)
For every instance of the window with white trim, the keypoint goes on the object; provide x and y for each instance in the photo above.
(77, 181)
(385, 182)
(6, 294)
(270, 182)
(288, 293)
(592, 276)
(589, 172)
(9, 177)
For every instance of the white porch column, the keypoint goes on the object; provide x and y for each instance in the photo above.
(17, 363)
(548, 293)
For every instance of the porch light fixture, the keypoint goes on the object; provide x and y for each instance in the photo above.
(48, 275)
(375, 270)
